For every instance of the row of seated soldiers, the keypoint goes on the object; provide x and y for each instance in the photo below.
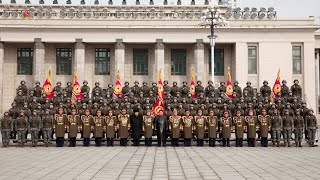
(185, 126)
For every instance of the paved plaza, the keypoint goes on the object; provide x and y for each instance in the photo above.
(159, 163)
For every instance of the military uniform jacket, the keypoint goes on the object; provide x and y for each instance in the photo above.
(311, 122)
(200, 123)
(298, 122)
(175, 123)
(124, 125)
(47, 122)
(212, 123)
(34, 122)
(239, 124)
(188, 124)
(59, 124)
(251, 126)
(226, 124)
(110, 126)
(276, 123)
(148, 126)
(73, 125)
(6, 123)
(99, 126)
(87, 123)
(264, 125)
(287, 122)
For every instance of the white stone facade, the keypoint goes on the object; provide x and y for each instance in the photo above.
(158, 28)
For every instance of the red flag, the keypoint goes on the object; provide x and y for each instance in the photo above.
(277, 86)
(76, 91)
(159, 104)
(47, 86)
(192, 84)
(229, 89)
(26, 14)
(118, 88)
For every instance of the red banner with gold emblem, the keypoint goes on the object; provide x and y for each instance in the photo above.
(47, 86)
(118, 88)
(159, 104)
(76, 91)
(192, 84)
(26, 14)
(229, 89)
(277, 86)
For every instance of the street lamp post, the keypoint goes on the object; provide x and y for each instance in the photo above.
(213, 18)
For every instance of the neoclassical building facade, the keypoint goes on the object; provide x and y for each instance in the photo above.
(139, 40)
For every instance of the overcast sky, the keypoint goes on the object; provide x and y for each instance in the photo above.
(284, 8)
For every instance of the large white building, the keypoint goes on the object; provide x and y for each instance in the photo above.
(139, 40)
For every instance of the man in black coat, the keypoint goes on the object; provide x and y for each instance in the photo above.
(136, 127)
(161, 123)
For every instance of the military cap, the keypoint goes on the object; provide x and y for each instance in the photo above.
(199, 82)
(298, 110)
(68, 82)
(236, 82)
(184, 82)
(284, 81)
(22, 82)
(85, 81)
(248, 82)
(191, 105)
(21, 111)
(47, 110)
(265, 81)
(214, 105)
(97, 91)
(286, 110)
(174, 82)
(288, 103)
(96, 83)
(31, 92)
(58, 82)
(34, 110)
(154, 83)
(295, 80)
(210, 82)
(37, 82)
(168, 105)
(19, 91)
(136, 82)
(110, 85)
(222, 82)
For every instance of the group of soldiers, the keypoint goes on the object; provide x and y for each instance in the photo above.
(209, 116)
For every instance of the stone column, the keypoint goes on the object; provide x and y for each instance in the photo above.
(309, 76)
(159, 60)
(199, 68)
(1, 76)
(39, 70)
(119, 59)
(241, 63)
(79, 59)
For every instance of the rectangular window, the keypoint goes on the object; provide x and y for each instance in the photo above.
(252, 59)
(178, 61)
(102, 61)
(296, 59)
(218, 62)
(63, 61)
(140, 61)
(24, 61)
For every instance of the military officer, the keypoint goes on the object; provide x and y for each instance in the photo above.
(199, 88)
(154, 90)
(47, 126)
(136, 89)
(58, 89)
(166, 87)
(296, 89)
(85, 88)
(188, 127)
(239, 125)
(124, 126)
(311, 127)
(174, 127)
(264, 127)
(212, 126)
(251, 122)
(19, 99)
(23, 88)
(21, 125)
(110, 121)
(287, 121)
(60, 121)
(284, 88)
(87, 125)
(99, 126)
(184, 89)
(209, 89)
(161, 123)
(136, 120)
(69, 89)
(226, 124)
(222, 88)
(37, 89)
(265, 89)
(298, 122)
(276, 125)
(96, 90)
(145, 89)
(200, 124)
(237, 89)
(148, 123)
(110, 89)
(73, 127)
(6, 126)
(174, 89)
(249, 89)
(35, 125)
(126, 89)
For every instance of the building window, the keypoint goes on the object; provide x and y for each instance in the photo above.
(252, 59)
(218, 62)
(178, 61)
(64, 61)
(296, 59)
(140, 61)
(102, 61)
(24, 61)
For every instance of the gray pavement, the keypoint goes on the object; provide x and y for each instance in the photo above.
(159, 163)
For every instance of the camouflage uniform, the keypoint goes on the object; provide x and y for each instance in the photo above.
(47, 127)
(34, 127)
(6, 126)
(311, 127)
(21, 125)
(298, 128)
(276, 127)
(287, 127)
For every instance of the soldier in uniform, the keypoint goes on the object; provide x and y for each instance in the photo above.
(298, 122)
(264, 127)
(99, 126)
(6, 126)
(212, 126)
(174, 127)
(136, 125)
(60, 121)
(265, 89)
(23, 88)
(222, 88)
(239, 124)
(249, 89)
(209, 89)
(126, 89)
(47, 126)
(14, 113)
(21, 125)
(188, 127)
(69, 89)
(136, 89)
(124, 126)
(58, 89)
(276, 125)
(287, 127)
(87, 124)
(174, 89)
(199, 88)
(96, 88)
(184, 89)
(154, 90)
(296, 89)
(161, 123)
(284, 89)
(237, 89)
(85, 88)
(148, 123)
(73, 127)
(110, 89)
(37, 89)
(19, 99)
(226, 123)
(166, 87)
(200, 124)
(311, 127)
(110, 127)
(35, 125)
(251, 122)
(145, 89)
